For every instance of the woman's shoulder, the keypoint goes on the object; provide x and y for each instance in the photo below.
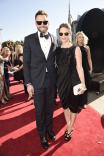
(57, 50)
(87, 47)
(74, 47)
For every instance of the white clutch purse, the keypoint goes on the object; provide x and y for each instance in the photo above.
(77, 88)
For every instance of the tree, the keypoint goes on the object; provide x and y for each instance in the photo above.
(10, 44)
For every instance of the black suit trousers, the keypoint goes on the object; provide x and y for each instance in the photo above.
(44, 106)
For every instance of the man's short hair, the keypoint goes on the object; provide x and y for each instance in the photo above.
(41, 12)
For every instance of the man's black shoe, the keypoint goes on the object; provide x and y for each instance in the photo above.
(44, 142)
(55, 102)
(51, 135)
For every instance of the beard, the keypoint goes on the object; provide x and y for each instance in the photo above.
(44, 30)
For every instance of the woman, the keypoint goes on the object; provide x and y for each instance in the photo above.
(6, 55)
(18, 63)
(3, 85)
(81, 41)
(69, 74)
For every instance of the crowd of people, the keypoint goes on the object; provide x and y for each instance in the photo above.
(45, 68)
(11, 61)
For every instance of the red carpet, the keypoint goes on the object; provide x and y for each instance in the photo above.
(19, 137)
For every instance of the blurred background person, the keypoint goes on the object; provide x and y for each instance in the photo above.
(18, 63)
(3, 86)
(7, 65)
(12, 55)
(81, 41)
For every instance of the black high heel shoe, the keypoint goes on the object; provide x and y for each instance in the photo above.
(68, 136)
(6, 99)
(4, 103)
(65, 132)
(11, 97)
(32, 103)
(28, 99)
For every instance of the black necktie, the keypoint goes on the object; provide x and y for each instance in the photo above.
(46, 36)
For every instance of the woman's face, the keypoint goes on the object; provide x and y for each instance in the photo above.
(80, 38)
(6, 52)
(64, 35)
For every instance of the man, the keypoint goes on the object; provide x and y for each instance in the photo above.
(40, 74)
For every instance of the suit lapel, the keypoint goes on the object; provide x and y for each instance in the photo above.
(37, 38)
(38, 42)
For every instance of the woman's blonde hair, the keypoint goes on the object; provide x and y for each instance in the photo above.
(3, 50)
(85, 38)
(65, 25)
(18, 50)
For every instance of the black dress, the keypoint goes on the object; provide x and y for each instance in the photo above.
(83, 98)
(18, 75)
(12, 56)
(67, 77)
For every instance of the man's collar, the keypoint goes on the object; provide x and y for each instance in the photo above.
(40, 32)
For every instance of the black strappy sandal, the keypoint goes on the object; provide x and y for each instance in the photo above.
(65, 132)
(68, 136)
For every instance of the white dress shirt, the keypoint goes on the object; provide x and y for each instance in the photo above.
(45, 45)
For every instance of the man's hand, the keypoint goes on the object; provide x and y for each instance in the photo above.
(30, 90)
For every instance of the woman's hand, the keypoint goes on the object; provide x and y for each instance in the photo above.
(81, 92)
(1, 78)
(5, 67)
(83, 89)
(16, 70)
(90, 72)
(10, 67)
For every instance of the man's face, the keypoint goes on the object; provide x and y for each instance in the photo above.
(43, 27)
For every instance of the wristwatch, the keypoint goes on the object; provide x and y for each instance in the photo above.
(28, 84)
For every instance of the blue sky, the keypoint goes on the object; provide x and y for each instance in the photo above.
(17, 17)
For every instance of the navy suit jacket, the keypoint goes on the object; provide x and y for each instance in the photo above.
(35, 63)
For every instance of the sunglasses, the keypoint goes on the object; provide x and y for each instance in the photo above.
(40, 22)
(66, 34)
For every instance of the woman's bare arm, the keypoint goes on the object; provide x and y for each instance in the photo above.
(79, 68)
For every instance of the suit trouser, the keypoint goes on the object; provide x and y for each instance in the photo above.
(44, 106)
